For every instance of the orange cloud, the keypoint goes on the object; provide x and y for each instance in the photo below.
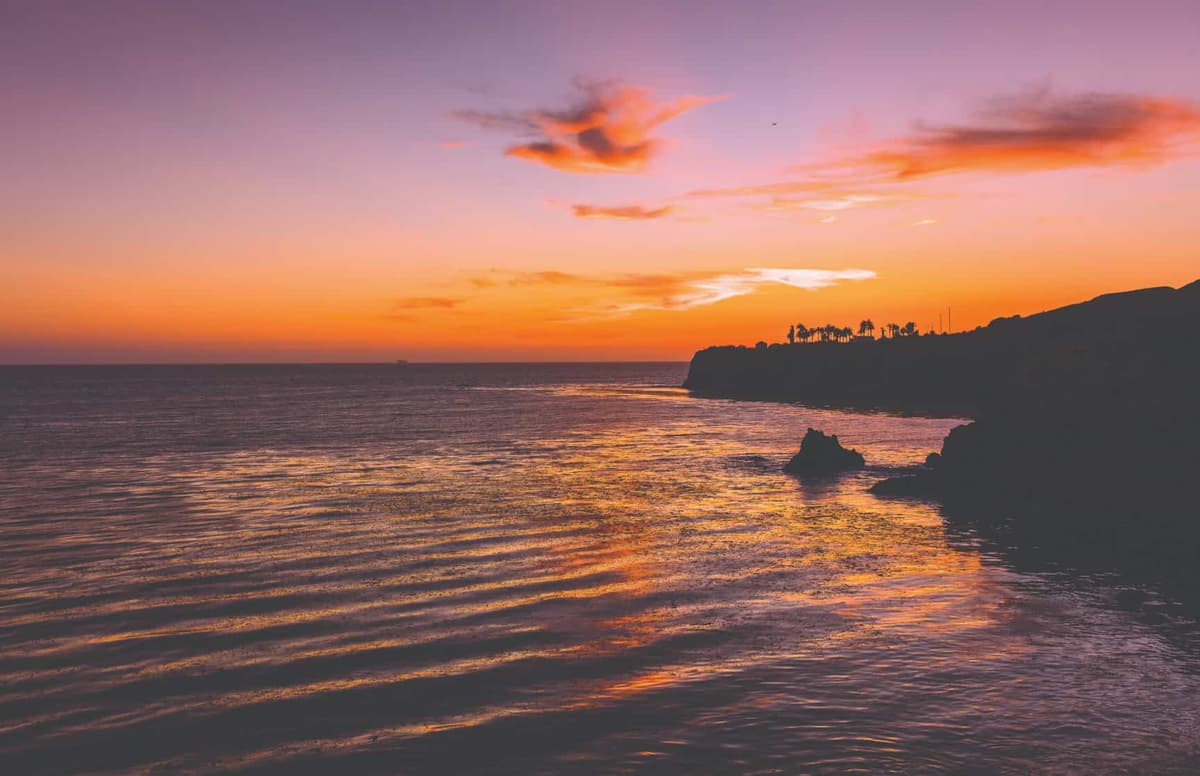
(685, 290)
(811, 186)
(1034, 131)
(496, 277)
(824, 196)
(680, 292)
(608, 131)
(622, 212)
(605, 296)
(549, 276)
(1039, 131)
(827, 204)
(810, 194)
(426, 303)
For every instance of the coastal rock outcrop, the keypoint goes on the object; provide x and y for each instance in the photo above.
(822, 454)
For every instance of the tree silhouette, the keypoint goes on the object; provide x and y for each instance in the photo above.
(910, 329)
(893, 330)
(803, 333)
(791, 335)
(866, 328)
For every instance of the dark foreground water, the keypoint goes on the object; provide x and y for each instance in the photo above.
(528, 569)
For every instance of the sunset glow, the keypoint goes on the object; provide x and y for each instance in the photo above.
(568, 182)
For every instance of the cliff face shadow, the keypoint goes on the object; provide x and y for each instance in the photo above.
(1115, 541)
(1086, 421)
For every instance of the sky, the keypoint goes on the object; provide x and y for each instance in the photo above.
(500, 181)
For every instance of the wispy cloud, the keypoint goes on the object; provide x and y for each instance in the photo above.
(516, 278)
(622, 212)
(426, 303)
(830, 204)
(1038, 130)
(592, 297)
(632, 292)
(547, 277)
(682, 292)
(608, 130)
(812, 194)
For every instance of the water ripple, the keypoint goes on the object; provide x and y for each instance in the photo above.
(577, 569)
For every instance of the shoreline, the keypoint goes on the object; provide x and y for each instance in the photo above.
(1083, 420)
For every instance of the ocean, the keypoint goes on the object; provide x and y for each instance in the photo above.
(528, 569)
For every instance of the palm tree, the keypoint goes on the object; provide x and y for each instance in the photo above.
(865, 328)
(870, 327)
(803, 333)
(910, 329)
(893, 330)
(791, 335)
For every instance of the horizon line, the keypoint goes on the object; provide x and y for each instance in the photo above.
(332, 363)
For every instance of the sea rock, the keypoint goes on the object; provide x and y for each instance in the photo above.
(821, 454)
(922, 481)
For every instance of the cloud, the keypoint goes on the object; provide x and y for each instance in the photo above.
(622, 212)
(609, 130)
(548, 277)
(840, 202)
(813, 194)
(683, 291)
(507, 277)
(810, 186)
(607, 296)
(1037, 131)
(426, 303)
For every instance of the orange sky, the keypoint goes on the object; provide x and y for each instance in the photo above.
(561, 187)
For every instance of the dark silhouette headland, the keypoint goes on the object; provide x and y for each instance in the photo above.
(1086, 417)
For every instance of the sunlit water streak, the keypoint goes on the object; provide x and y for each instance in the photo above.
(529, 570)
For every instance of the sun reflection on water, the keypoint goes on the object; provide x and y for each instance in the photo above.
(600, 576)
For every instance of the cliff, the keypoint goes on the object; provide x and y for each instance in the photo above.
(1116, 342)
(1089, 412)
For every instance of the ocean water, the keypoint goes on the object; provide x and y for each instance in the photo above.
(530, 569)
